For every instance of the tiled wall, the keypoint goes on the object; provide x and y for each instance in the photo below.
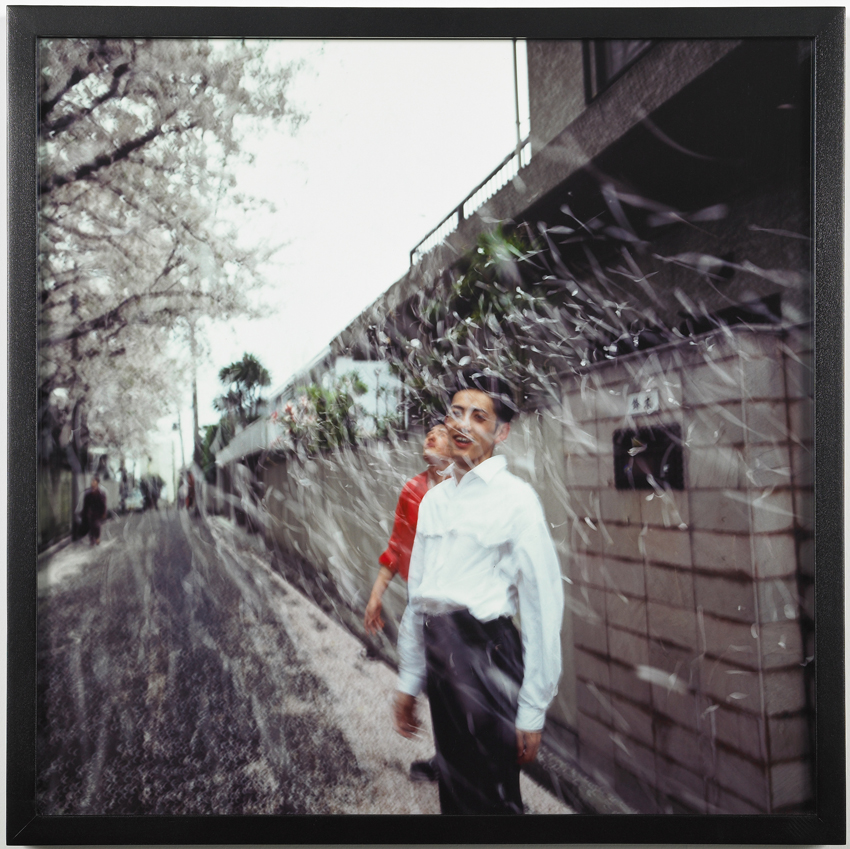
(690, 609)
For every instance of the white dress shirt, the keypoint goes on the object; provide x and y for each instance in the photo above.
(482, 543)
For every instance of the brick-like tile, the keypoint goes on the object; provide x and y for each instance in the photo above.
(763, 379)
(730, 684)
(670, 586)
(679, 783)
(791, 784)
(726, 597)
(772, 511)
(672, 625)
(580, 407)
(779, 601)
(622, 506)
(672, 547)
(678, 743)
(804, 508)
(589, 570)
(718, 424)
(802, 465)
(767, 465)
(625, 577)
(627, 613)
(767, 422)
(625, 543)
(774, 555)
(625, 681)
(593, 702)
(611, 401)
(722, 552)
(670, 510)
(735, 641)
(627, 648)
(719, 510)
(633, 720)
(676, 706)
(742, 778)
(635, 790)
(784, 691)
(637, 759)
(581, 470)
(801, 414)
(590, 634)
(740, 731)
(799, 376)
(591, 669)
(670, 659)
(713, 383)
(789, 737)
(716, 467)
(592, 732)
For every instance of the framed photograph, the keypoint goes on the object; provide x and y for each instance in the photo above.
(268, 264)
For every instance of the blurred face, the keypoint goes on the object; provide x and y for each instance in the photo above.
(474, 431)
(435, 451)
(94, 483)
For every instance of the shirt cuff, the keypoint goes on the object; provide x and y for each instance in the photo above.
(410, 683)
(390, 560)
(530, 719)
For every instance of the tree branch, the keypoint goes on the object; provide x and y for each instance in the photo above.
(69, 120)
(107, 159)
(114, 316)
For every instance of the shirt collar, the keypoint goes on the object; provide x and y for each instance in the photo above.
(486, 470)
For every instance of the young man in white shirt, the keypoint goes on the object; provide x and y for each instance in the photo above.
(482, 554)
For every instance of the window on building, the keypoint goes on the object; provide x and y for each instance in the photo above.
(605, 60)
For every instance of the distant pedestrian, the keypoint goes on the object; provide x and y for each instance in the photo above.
(482, 555)
(396, 558)
(190, 490)
(94, 510)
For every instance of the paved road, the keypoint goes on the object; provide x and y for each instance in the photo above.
(178, 674)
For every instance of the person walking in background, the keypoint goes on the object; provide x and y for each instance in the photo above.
(396, 558)
(482, 554)
(94, 510)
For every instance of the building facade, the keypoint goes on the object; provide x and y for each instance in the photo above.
(666, 188)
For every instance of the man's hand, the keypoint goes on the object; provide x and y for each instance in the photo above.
(406, 721)
(527, 744)
(372, 620)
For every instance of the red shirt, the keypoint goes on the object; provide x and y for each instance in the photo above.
(397, 556)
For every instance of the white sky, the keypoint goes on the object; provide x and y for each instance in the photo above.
(398, 133)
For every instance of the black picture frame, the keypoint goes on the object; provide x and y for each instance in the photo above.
(825, 26)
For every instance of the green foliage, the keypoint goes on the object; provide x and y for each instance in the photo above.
(323, 417)
(243, 380)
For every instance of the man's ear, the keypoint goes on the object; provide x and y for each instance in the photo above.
(502, 431)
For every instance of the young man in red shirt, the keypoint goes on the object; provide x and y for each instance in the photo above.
(396, 558)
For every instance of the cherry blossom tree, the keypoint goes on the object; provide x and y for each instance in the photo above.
(138, 206)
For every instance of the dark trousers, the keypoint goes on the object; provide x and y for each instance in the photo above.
(474, 675)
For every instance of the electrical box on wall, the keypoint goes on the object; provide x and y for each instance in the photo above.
(649, 457)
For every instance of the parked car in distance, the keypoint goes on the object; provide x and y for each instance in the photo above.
(134, 502)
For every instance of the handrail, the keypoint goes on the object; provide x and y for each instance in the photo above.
(505, 171)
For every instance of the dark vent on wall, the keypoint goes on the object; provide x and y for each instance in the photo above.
(649, 458)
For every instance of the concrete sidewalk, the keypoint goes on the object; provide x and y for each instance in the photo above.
(362, 690)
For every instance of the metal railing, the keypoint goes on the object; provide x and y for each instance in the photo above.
(504, 172)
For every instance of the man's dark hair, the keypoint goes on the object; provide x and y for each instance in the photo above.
(490, 384)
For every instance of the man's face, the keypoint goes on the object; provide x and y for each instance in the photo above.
(435, 451)
(474, 431)
(94, 483)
